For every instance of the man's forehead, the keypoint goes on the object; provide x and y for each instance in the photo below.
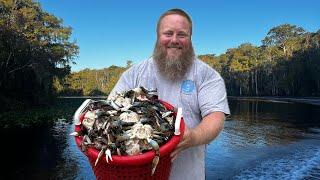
(174, 18)
(174, 21)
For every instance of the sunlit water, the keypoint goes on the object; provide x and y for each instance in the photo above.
(261, 140)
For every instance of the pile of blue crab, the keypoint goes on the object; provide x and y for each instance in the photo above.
(127, 123)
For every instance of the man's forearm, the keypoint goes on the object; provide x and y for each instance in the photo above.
(208, 129)
(205, 132)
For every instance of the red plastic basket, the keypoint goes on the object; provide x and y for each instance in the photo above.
(137, 166)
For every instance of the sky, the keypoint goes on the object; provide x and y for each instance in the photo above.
(112, 32)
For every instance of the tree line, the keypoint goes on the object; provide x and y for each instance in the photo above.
(286, 64)
(36, 55)
(89, 82)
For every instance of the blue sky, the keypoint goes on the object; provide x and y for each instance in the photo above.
(112, 32)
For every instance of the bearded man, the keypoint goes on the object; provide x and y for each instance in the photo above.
(183, 81)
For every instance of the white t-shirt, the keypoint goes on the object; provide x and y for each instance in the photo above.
(200, 93)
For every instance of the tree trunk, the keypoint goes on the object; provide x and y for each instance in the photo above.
(292, 84)
(252, 84)
(97, 83)
(273, 86)
(256, 82)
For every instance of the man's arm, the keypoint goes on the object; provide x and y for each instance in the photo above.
(208, 129)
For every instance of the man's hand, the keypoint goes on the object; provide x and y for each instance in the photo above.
(186, 142)
(206, 131)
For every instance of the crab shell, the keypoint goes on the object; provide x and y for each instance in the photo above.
(123, 102)
(88, 120)
(129, 116)
(132, 147)
(113, 96)
(141, 131)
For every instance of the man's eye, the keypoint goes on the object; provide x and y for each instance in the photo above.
(168, 34)
(182, 35)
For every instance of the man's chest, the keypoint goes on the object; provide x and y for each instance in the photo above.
(179, 94)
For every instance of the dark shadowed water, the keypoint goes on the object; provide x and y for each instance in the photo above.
(261, 140)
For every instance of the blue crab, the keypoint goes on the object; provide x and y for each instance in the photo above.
(141, 138)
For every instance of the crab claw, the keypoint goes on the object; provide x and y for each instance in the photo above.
(153, 144)
(99, 156)
(155, 162)
(74, 134)
(118, 152)
(108, 155)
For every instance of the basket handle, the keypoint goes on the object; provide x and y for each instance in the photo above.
(80, 110)
(177, 122)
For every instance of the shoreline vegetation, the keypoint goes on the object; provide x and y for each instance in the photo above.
(305, 100)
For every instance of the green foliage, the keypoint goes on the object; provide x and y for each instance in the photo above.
(285, 37)
(34, 48)
(287, 64)
(90, 82)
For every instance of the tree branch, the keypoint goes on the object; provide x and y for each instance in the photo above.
(8, 59)
(19, 68)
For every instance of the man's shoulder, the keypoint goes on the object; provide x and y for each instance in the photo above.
(204, 73)
(204, 69)
(143, 64)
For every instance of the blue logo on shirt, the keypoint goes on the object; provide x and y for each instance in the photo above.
(188, 86)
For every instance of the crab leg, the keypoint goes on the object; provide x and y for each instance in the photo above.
(155, 162)
(108, 155)
(99, 156)
(87, 139)
(159, 119)
(115, 106)
(118, 152)
(156, 158)
(165, 114)
(83, 143)
(74, 134)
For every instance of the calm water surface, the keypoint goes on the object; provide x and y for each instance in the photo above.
(267, 140)
(261, 140)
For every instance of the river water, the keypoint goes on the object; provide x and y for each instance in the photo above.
(260, 140)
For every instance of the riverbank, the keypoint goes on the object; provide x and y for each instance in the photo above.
(66, 106)
(305, 100)
(82, 97)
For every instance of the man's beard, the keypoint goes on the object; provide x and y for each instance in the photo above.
(173, 68)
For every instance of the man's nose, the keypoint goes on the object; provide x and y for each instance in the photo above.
(174, 39)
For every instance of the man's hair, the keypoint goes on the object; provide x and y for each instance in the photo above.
(175, 11)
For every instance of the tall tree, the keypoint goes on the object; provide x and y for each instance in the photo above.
(35, 48)
(283, 36)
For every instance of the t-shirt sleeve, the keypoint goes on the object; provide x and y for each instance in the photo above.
(212, 94)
